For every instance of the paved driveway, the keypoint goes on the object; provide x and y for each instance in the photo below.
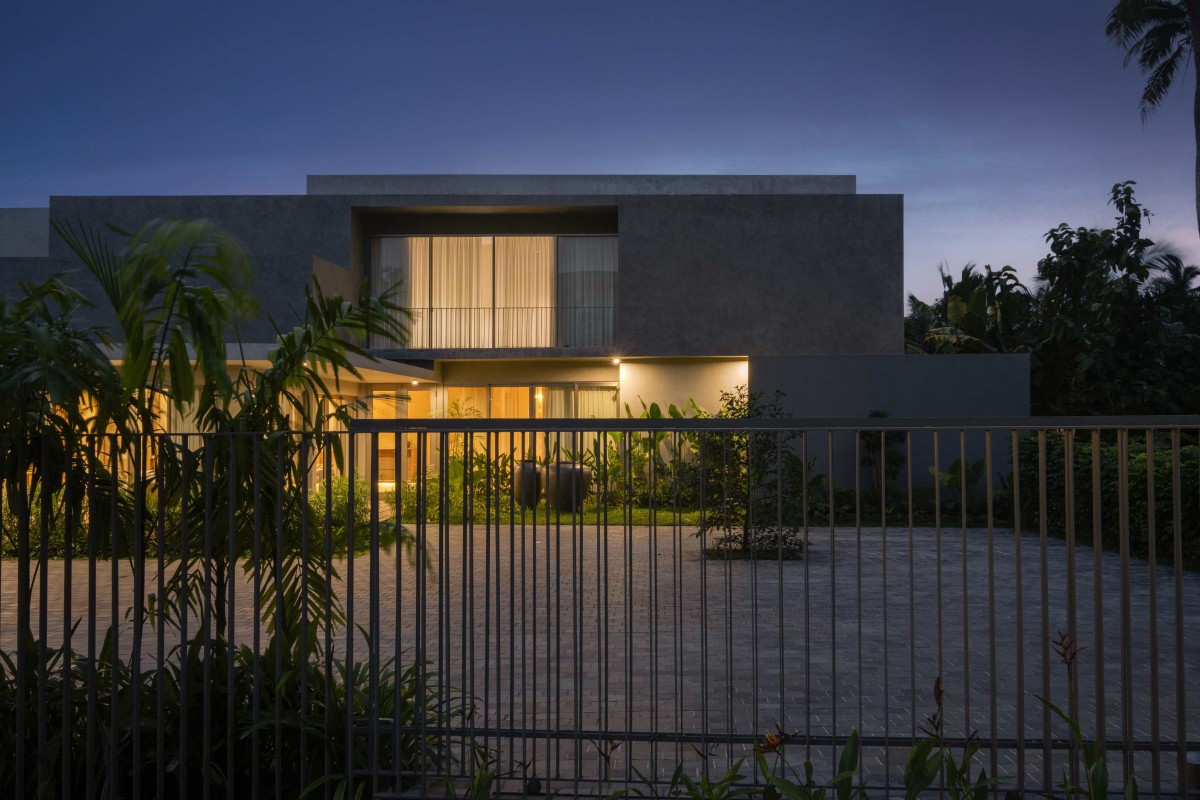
(592, 634)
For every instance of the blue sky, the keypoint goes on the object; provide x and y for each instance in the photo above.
(997, 121)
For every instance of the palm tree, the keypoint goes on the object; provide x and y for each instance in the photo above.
(1159, 34)
(1174, 279)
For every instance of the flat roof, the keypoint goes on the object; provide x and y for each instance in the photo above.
(580, 185)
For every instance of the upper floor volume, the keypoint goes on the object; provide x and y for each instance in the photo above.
(502, 267)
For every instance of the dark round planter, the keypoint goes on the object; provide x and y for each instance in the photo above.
(527, 483)
(566, 486)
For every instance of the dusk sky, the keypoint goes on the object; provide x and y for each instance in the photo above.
(996, 121)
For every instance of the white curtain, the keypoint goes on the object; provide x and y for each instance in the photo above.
(597, 401)
(587, 290)
(554, 402)
(461, 291)
(403, 262)
(524, 291)
(507, 291)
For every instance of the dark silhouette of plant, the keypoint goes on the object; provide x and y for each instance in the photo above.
(1160, 35)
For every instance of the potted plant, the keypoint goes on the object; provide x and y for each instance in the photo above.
(567, 486)
(567, 482)
(527, 482)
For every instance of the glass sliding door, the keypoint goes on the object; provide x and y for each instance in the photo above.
(461, 291)
(599, 402)
(400, 266)
(500, 291)
(586, 290)
(554, 402)
(524, 291)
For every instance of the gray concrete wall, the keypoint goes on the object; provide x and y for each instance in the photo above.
(282, 233)
(517, 185)
(902, 386)
(761, 276)
(24, 232)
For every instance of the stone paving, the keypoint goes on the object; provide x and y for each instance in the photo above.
(619, 640)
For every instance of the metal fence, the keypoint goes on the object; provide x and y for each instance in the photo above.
(526, 607)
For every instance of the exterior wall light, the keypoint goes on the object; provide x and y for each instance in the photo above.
(616, 362)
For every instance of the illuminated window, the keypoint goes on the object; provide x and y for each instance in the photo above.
(500, 291)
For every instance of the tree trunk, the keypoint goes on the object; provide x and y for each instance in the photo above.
(1193, 10)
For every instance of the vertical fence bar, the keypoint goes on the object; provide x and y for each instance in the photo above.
(963, 501)
(66, 733)
(400, 473)
(468, 529)
(937, 532)
(912, 590)
(858, 594)
(1072, 626)
(1019, 588)
(186, 501)
(327, 610)
(114, 621)
(833, 673)
(1043, 532)
(1126, 617)
(141, 442)
(804, 478)
(24, 632)
(703, 479)
(1098, 590)
(991, 583)
(42, 647)
(373, 622)
(348, 678)
(256, 609)
(489, 475)
(278, 580)
(419, 602)
(231, 751)
(677, 597)
(887, 688)
(162, 447)
(577, 630)
(305, 510)
(1182, 775)
(1152, 621)
(533, 603)
(95, 449)
(206, 619)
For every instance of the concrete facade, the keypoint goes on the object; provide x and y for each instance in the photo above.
(821, 387)
(799, 274)
(24, 232)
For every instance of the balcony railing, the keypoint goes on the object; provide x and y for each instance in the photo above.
(524, 327)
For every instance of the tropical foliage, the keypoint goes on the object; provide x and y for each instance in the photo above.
(88, 471)
(1112, 325)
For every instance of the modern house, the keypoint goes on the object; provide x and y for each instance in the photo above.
(572, 295)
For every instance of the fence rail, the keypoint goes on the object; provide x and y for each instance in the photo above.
(584, 605)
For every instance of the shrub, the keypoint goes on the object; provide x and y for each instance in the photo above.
(307, 747)
(1138, 500)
